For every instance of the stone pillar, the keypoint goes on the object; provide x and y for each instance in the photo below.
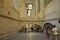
(42, 8)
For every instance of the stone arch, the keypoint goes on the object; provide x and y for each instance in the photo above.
(48, 24)
(37, 27)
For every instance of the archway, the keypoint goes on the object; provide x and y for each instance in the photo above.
(31, 28)
(48, 24)
(37, 28)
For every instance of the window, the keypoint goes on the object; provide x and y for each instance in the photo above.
(29, 9)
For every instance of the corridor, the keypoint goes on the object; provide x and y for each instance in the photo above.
(29, 19)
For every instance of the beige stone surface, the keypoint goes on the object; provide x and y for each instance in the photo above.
(17, 12)
(52, 10)
(7, 26)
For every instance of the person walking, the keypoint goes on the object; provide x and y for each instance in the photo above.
(48, 33)
(54, 31)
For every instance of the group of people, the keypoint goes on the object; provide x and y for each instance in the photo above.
(31, 29)
(51, 31)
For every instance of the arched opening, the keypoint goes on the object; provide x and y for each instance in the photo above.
(37, 28)
(48, 24)
(31, 28)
